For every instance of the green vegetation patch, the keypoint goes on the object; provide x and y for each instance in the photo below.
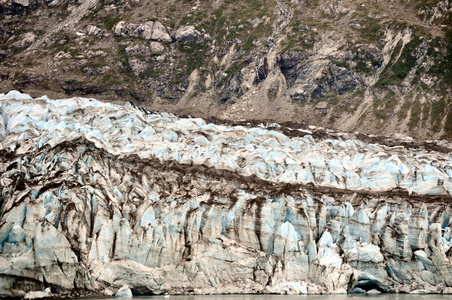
(371, 30)
(231, 71)
(109, 80)
(332, 98)
(349, 104)
(341, 64)
(62, 41)
(415, 117)
(123, 57)
(442, 67)
(232, 20)
(366, 64)
(194, 57)
(194, 18)
(437, 113)
(303, 34)
(448, 125)
(151, 73)
(109, 21)
(397, 70)
(382, 108)
(250, 9)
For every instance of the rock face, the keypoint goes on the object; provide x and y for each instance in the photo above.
(346, 65)
(139, 49)
(324, 63)
(187, 34)
(99, 198)
(147, 30)
(12, 7)
(26, 40)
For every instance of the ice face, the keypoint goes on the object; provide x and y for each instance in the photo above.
(96, 197)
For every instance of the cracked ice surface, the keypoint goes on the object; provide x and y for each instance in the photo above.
(28, 124)
(100, 198)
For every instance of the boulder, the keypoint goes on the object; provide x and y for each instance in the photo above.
(156, 47)
(188, 34)
(92, 30)
(138, 49)
(137, 65)
(103, 70)
(25, 41)
(148, 30)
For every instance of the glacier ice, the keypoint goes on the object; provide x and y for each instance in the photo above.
(101, 198)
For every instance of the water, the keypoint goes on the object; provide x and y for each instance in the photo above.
(294, 297)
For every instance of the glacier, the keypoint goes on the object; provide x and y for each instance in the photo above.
(97, 198)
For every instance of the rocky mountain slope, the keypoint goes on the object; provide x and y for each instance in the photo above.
(379, 66)
(97, 198)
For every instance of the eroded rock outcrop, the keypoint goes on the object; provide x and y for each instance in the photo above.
(188, 34)
(148, 30)
(99, 198)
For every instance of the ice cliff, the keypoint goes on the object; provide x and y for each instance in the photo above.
(97, 197)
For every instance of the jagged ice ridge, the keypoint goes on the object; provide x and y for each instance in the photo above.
(96, 197)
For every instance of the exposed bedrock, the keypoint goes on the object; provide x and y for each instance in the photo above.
(80, 219)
